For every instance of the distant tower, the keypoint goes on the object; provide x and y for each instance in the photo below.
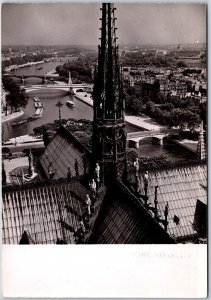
(201, 148)
(179, 47)
(10, 50)
(109, 128)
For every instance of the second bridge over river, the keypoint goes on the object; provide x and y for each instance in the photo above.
(133, 138)
(64, 87)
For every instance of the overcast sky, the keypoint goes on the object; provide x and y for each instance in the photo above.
(78, 24)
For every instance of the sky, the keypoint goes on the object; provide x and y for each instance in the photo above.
(78, 24)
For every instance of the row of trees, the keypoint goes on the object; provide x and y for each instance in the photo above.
(15, 97)
(172, 116)
(80, 69)
(138, 58)
(171, 110)
(82, 130)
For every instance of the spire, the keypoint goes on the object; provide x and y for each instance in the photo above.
(109, 133)
(201, 148)
(108, 90)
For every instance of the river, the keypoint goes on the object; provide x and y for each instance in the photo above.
(80, 111)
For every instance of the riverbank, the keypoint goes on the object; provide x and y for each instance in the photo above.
(12, 116)
(29, 64)
(144, 123)
(52, 72)
(23, 139)
(86, 98)
(24, 142)
(187, 144)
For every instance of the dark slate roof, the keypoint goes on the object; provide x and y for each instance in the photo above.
(124, 220)
(42, 212)
(181, 187)
(64, 151)
(48, 212)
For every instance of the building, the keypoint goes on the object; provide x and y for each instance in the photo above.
(175, 88)
(92, 197)
(150, 87)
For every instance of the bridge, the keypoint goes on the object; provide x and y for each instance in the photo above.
(83, 87)
(134, 138)
(64, 87)
(44, 77)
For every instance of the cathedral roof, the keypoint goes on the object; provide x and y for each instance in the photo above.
(124, 220)
(180, 187)
(64, 151)
(47, 212)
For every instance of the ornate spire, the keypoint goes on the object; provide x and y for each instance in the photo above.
(109, 134)
(108, 90)
(201, 148)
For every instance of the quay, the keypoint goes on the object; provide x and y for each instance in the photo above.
(23, 142)
(12, 116)
(29, 64)
(187, 144)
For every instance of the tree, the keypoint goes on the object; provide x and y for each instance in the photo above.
(85, 138)
(16, 97)
(146, 99)
(150, 108)
(181, 64)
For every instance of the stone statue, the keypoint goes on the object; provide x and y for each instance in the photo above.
(97, 174)
(146, 179)
(31, 167)
(136, 165)
(93, 187)
(88, 204)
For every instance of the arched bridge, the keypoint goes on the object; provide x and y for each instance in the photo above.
(63, 87)
(134, 138)
(43, 77)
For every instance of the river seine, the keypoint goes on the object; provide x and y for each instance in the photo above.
(80, 111)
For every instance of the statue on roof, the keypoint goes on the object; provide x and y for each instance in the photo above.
(88, 204)
(93, 187)
(97, 174)
(136, 165)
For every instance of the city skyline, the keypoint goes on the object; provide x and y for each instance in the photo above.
(183, 23)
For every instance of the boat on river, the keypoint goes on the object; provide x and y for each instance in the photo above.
(38, 104)
(32, 118)
(70, 103)
(40, 68)
(39, 112)
(39, 107)
(19, 123)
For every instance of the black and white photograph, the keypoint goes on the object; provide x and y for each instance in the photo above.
(104, 141)
(104, 144)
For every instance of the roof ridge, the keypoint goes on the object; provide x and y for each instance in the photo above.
(43, 183)
(174, 165)
(136, 201)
